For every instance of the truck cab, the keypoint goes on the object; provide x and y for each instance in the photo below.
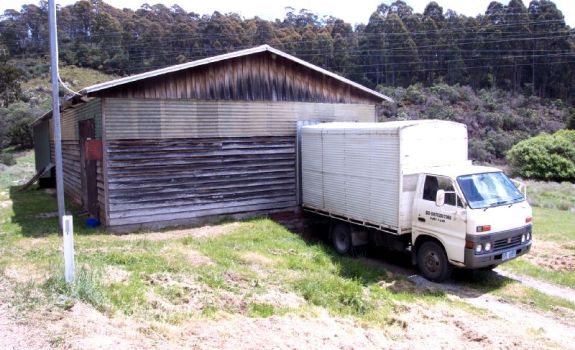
(470, 217)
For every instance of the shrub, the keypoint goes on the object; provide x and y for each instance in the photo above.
(545, 157)
(415, 95)
(571, 121)
(446, 92)
(7, 158)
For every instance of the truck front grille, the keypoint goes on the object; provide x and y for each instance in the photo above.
(507, 242)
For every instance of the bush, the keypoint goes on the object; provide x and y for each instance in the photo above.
(571, 121)
(545, 157)
(415, 95)
(449, 93)
(7, 158)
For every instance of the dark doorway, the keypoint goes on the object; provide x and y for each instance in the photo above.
(89, 170)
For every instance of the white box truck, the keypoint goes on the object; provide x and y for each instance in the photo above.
(408, 185)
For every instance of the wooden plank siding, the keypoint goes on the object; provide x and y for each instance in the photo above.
(258, 77)
(72, 182)
(152, 180)
(71, 150)
(165, 119)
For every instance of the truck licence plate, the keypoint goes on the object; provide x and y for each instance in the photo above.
(508, 255)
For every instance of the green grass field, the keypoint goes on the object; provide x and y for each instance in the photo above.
(255, 268)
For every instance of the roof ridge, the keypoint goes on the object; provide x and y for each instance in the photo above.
(222, 57)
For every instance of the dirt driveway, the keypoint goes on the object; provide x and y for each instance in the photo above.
(483, 321)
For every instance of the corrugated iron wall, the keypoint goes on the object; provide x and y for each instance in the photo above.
(150, 119)
(177, 161)
(72, 116)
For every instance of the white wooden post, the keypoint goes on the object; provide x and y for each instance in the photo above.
(68, 228)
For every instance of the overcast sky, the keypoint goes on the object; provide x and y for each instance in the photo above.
(354, 11)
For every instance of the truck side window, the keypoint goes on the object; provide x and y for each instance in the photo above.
(434, 183)
(430, 188)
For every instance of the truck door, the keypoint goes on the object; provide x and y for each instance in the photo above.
(447, 223)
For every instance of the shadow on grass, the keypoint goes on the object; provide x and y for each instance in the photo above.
(370, 264)
(35, 211)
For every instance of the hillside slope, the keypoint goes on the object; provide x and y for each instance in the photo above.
(496, 119)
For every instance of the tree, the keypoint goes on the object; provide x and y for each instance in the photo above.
(10, 89)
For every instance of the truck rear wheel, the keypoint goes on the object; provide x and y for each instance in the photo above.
(432, 262)
(341, 238)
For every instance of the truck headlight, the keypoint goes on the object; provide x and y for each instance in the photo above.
(528, 236)
(523, 238)
(478, 248)
(487, 246)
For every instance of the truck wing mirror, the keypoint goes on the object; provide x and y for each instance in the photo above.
(440, 198)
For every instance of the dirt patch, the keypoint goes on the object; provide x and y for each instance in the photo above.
(282, 332)
(200, 232)
(25, 273)
(257, 259)
(441, 326)
(115, 274)
(18, 335)
(5, 204)
(85, 328)
(552, 256)
(280, 299)
(196, 258)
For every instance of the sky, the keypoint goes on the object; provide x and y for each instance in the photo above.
(354, 12)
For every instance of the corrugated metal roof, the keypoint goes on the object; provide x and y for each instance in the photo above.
(258, 49)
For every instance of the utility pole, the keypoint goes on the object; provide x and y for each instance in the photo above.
(66, 223)
(56, 109)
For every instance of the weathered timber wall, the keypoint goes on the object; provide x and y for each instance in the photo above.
(151, 119)
(258, 77)
(173, 180)
(71, 170)
(72, 181)
(71, 150)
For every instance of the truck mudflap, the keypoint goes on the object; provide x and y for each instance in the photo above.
(506, 245)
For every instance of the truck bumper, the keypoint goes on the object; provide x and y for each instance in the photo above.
(505, 244)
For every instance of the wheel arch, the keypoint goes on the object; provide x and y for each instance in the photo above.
(422, 238)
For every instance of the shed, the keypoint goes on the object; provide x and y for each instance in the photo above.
(197, 141)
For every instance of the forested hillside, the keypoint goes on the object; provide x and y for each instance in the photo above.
(509, 46)
(520, 51)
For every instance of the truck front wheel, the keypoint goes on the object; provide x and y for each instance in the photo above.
(341, 238)
(432, 262)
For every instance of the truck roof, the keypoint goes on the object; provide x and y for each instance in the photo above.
(391, 126)
(454, 171)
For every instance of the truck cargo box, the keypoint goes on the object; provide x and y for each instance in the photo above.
(367, 172)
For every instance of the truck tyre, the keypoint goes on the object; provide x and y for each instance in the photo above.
(341, 238)
(432, 262)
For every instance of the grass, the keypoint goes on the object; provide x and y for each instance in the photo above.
(257, 259)
(515, 292)
(258, 269)
(551, 195)
(554, 225)
(524, 267)
(75, 78)
(557, 227)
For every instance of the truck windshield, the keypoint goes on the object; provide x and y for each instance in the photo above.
(488, 190)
